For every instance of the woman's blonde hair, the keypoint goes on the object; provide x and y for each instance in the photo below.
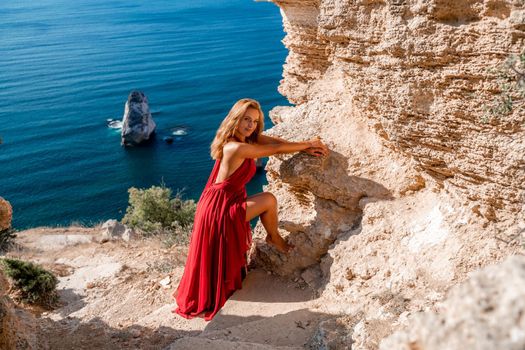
(229, 124)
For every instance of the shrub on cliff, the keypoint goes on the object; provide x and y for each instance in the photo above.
(34, 284)
(510, 77)
(154, 211)
(7, 237)
(177, 235)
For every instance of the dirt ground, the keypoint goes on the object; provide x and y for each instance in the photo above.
(118, 295)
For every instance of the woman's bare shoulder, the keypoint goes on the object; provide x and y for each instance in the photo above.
(235, 148)
(231, 146)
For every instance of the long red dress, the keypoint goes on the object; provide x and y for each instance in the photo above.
(219, 241)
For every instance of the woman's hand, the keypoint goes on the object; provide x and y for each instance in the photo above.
(317, 147)
(316, 151)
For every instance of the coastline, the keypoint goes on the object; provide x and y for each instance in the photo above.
(61, 161)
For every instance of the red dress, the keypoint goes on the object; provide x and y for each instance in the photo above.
(219, 241)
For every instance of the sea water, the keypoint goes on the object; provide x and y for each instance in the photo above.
(66, 69)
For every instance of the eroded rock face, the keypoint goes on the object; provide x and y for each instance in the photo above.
(418, 74)
(398, 90)
(421, 186)
(17, 327)
(6, 214)
(137, 123)
(319, 197)
(402, 259)
(485, 312)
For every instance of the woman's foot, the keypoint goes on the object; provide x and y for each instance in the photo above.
(280, 244)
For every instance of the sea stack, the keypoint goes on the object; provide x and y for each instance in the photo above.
(137, 123)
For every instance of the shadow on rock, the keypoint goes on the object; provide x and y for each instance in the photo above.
(329, 202)
(72, 333)
(70, 301)
(259, 286)
(295, 329)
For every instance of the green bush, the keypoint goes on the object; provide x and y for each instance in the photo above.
(510, 76)
(35, 284)
(154, 211)
(7, 238)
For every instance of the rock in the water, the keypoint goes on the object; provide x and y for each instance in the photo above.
(137, 123)
(6, 214)
(179, 131)
(168, 139)
(115, 124)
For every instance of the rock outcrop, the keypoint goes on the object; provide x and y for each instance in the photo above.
(112, 229)
(17, 327)
(137, 123)
(399, 91)
(418, 75)
(486, 312)
(6, 214)
(424, 181)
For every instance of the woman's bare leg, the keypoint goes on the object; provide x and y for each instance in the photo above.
(265, 205)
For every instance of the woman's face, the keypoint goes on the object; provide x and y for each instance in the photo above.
(248, 123)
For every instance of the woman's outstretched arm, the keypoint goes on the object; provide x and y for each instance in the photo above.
(245, 150)
(267, 140)
(314, 151)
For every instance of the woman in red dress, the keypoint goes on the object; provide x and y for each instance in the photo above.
(221, 233)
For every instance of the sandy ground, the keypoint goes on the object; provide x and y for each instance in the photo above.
(112, 297)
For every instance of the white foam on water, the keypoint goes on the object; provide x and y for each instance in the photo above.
(115, 124)
(179, 132)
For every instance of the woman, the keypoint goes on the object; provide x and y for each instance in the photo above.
(221, 232)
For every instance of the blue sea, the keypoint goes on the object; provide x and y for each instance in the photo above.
(68, 66)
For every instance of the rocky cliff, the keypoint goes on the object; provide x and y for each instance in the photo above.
(403, 92)
(422, 110)
(418, 75)
(423, 185)
(17, 327)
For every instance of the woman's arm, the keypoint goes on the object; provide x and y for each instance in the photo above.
(268, 140)
(246, 150)
(314, 151)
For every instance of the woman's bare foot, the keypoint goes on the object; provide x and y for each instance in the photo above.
(280, 244)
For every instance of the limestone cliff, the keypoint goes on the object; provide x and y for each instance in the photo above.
(401, 91)
(417, 73)
(425, 179)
